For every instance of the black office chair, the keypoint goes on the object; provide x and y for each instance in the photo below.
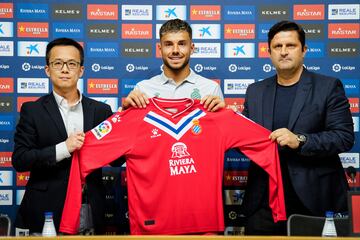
(5, 225)
(303, 225)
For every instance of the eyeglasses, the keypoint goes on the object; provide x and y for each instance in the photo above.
(59, 64)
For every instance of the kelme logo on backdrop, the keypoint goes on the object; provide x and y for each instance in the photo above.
(102, 30)
(313, 31)
(138, 49)
(6, 104)
(343, 49)
(273, 12)
(67, 11)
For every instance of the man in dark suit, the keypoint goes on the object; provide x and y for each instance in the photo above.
(311, 122)
(49, 130)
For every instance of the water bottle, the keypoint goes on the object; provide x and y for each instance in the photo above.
(49, 227)
(329, 229)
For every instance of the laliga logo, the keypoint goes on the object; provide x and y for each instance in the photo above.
(130, 67)
(26, 67)
(198, 68)
(95, 67)
(267, 68)
(232, 67)
(336, 67)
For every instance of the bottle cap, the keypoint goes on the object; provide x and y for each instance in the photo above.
(329, 214)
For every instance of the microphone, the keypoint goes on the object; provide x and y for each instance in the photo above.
(351, 172)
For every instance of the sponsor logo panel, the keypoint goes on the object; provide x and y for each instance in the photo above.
(235, 178)
(22, 178)
(6, 29)
(343, 49)
(234, 196)
(7, 123)
(205, 12)
(344, 11)
(315, 50)
(239, 31)
(6, 85)
(354, 105)
(33, 29)
(136, 12)
(6, 197)
(102, 86)
(6, 10)
(273, 12)
(67, 11)
(102, 49)
(31, 11)
(21, 100)
(69, 30)
(239, 12)
(136, 31)
(102, 30)
(207, 50)
(33, 85)
(309, 12)
(6, 141)
(263, 30)
(351, 86)
(31, 49)
(239, 50)
(19, 196)
(206, 31)
(127, 85)
(111, 101)
(5, 159)
(356, 124)
(6, 104)
(313, 31)
(349, 160)
(343, 30)
(235, 103)
(263, 50)
(236, 86)
(6, 48)
(102, 12)
(167, 12)
(131, 49)
(6, 178)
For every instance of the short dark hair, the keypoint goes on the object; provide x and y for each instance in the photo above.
(175, 25)
(64, 42)
(287, 26)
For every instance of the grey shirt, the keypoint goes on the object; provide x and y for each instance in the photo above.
(194, 86)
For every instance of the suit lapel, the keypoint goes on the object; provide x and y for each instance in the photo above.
(88, 112)
(268, 103)
(51, 107)
(300, 97)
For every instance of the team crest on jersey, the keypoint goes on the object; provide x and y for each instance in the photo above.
(181, 161)
(102, 129)
(196, 128)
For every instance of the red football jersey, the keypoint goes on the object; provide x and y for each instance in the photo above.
(174, 153)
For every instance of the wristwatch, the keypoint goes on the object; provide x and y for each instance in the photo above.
(301, 138)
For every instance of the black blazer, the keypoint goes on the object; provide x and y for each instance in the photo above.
(320, 111)
(39, 129)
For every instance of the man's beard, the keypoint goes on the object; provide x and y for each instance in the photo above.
(176, 69)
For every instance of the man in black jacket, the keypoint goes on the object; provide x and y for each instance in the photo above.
(49, 130)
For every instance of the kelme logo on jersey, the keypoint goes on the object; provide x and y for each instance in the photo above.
(181, 161)
(102, 129)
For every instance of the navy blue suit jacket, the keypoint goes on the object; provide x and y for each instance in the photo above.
(320, 111)
(39, 129)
